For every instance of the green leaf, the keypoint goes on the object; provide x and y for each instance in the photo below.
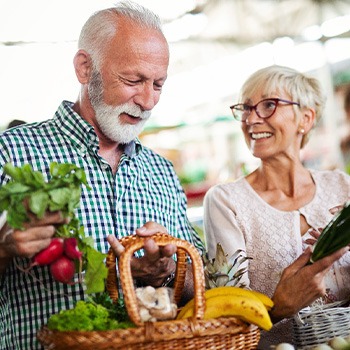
(96, 271)
(38, 203)
(17, 216)
(60, 197)
(15, 187)
(14, 172)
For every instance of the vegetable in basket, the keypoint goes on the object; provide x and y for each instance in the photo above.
(334, 236)
(99, 313)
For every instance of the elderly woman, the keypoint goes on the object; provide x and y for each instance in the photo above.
(273, 212)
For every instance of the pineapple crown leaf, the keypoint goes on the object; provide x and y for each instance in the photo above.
(220, 262)
(221, 271)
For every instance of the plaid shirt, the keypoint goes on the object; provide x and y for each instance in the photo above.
(144, 188)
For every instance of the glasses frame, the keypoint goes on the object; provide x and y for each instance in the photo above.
(251, 108)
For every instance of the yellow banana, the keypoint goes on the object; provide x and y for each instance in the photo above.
(242, 292)
(228, 290)
(251, 310)
(248, 309)
(264, 299)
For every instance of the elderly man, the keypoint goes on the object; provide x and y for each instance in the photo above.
(121, 64)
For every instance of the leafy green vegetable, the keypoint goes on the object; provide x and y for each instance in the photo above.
(97, 272)
(27, 191)
(86, 316)
(117, 310)
(334, 236)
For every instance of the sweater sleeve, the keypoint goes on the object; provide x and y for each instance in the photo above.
(221, 226)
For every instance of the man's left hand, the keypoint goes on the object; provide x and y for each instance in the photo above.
(157, 264)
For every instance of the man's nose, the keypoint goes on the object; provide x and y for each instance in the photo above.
(147, 97)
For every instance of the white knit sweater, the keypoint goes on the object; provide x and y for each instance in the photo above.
(238, 218)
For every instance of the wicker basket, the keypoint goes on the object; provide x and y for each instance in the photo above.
(187, 334)
(317, 325)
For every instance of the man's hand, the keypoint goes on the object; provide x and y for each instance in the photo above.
(301, 284)
(156, 264)
(35, 237)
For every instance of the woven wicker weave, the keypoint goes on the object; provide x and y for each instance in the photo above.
(318, 325)
(188, 334)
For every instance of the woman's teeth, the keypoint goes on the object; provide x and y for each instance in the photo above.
(261, 135)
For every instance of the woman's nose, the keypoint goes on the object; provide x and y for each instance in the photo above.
(253, 117)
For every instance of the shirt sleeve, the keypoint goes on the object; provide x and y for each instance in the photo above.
(220, 225)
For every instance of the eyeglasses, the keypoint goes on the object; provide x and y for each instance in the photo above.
(264, 108)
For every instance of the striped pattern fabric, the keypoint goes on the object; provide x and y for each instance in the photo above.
(145, 188)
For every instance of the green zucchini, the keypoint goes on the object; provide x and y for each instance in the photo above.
(334, 236)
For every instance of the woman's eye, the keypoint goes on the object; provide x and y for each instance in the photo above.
(269, 105)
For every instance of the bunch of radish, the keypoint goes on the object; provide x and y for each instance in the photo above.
(61, 255)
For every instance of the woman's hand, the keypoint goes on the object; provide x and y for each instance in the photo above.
(314, 233)
(156, 264)
(302, 284)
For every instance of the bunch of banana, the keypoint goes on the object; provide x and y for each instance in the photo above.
(250, 306)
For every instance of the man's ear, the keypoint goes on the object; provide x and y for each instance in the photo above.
(83, 66)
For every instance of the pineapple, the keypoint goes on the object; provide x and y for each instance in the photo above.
(221, 271)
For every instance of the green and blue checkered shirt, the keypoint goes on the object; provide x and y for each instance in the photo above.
(144, 188)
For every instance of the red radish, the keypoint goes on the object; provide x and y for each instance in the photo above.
(71, 248)
(49, 254)
(63, 269)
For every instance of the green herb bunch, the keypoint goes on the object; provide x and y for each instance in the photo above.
(28, 192)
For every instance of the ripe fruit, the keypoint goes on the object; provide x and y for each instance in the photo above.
(231, 301)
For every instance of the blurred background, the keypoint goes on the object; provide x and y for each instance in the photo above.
(215, 45)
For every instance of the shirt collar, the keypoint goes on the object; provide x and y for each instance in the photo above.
(79, 131)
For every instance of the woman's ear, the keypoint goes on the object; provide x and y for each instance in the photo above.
(83, 66)
(307, 120)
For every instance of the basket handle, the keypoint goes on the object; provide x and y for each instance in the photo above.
(134, 243)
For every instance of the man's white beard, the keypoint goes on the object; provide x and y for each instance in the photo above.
(108, 116)
(108, 120)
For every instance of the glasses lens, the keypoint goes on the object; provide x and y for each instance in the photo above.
(241, 111)
(266, 108)
(237, 111)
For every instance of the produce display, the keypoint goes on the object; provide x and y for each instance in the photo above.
(226, 295)
(27, 194)
(334, 236)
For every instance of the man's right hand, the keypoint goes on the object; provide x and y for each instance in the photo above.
(35, 237)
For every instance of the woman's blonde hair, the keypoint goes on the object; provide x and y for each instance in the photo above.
(275, 79)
